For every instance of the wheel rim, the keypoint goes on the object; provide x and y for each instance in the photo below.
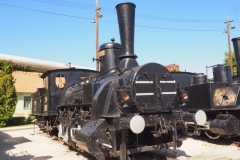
(212, 135)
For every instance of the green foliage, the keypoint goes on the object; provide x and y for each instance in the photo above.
(8, 96)
(234, 65)
(15, 121)
(30, 119)
(22, 68)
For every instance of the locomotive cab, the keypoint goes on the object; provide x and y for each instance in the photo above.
(46, 100)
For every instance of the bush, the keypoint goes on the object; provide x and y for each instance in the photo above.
(2, 124)
(30, 119)
(16, 121)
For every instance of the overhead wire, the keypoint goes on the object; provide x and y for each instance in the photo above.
(67, 3)
(87, 6)
(59, 14)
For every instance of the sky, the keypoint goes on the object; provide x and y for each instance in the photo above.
(188, 33)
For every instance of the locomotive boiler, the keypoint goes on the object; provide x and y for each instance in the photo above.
(124, 109)
(219, 98)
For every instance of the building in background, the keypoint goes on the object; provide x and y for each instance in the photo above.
(26, 83)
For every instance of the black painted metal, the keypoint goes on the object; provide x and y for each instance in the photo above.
(183, 78)
(95, 111)
(225, 124)
(126, 22)
(212, 96)
(199, 79)
(109, 53)
(236, 46)
(222, 73)
(162, 86)
(46, 100)
(218, 98)
(89, 90)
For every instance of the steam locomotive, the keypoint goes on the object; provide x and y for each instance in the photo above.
(123, 110)
(218, 98)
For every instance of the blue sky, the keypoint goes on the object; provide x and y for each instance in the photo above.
(187, 32)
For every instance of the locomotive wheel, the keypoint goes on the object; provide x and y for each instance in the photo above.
(54, 131)
(212, 135)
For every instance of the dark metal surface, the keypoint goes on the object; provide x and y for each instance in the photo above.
(211, 96)
(97, 113)
(222, 73)
(126, 22)
(46, 100)
(236, 46)
(219, 98)
(89, 90)
(199, 79)
(153, 91)
(183, 78)
(109, 56)
(225, 124)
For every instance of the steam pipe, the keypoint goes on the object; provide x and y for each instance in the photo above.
(236, 46)
(126, 21)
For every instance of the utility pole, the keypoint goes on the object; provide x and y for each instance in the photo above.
(97, 15)
(228, 23)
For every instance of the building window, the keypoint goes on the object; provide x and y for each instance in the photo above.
(27, 102)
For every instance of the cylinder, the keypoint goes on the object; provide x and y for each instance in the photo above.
(199, 79)
(225, 124)
(126, 22)
(222, 73)
(236, 46)
(188, 117)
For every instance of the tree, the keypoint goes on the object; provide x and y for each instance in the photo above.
(234, 64)
(8, 96)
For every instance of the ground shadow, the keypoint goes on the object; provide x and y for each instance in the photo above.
(8, 142)
(42, 158)
(168, 154)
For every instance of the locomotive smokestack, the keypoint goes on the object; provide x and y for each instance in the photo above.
(126, 21)
(236, 46)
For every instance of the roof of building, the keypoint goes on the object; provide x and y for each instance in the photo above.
(28, 82)
(39, 65)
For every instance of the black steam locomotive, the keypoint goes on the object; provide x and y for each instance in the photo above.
(46, 100)
(219, 98)
(123, 110)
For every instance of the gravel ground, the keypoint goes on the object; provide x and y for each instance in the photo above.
(23, 144)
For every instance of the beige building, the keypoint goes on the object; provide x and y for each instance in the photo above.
(26, 83)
